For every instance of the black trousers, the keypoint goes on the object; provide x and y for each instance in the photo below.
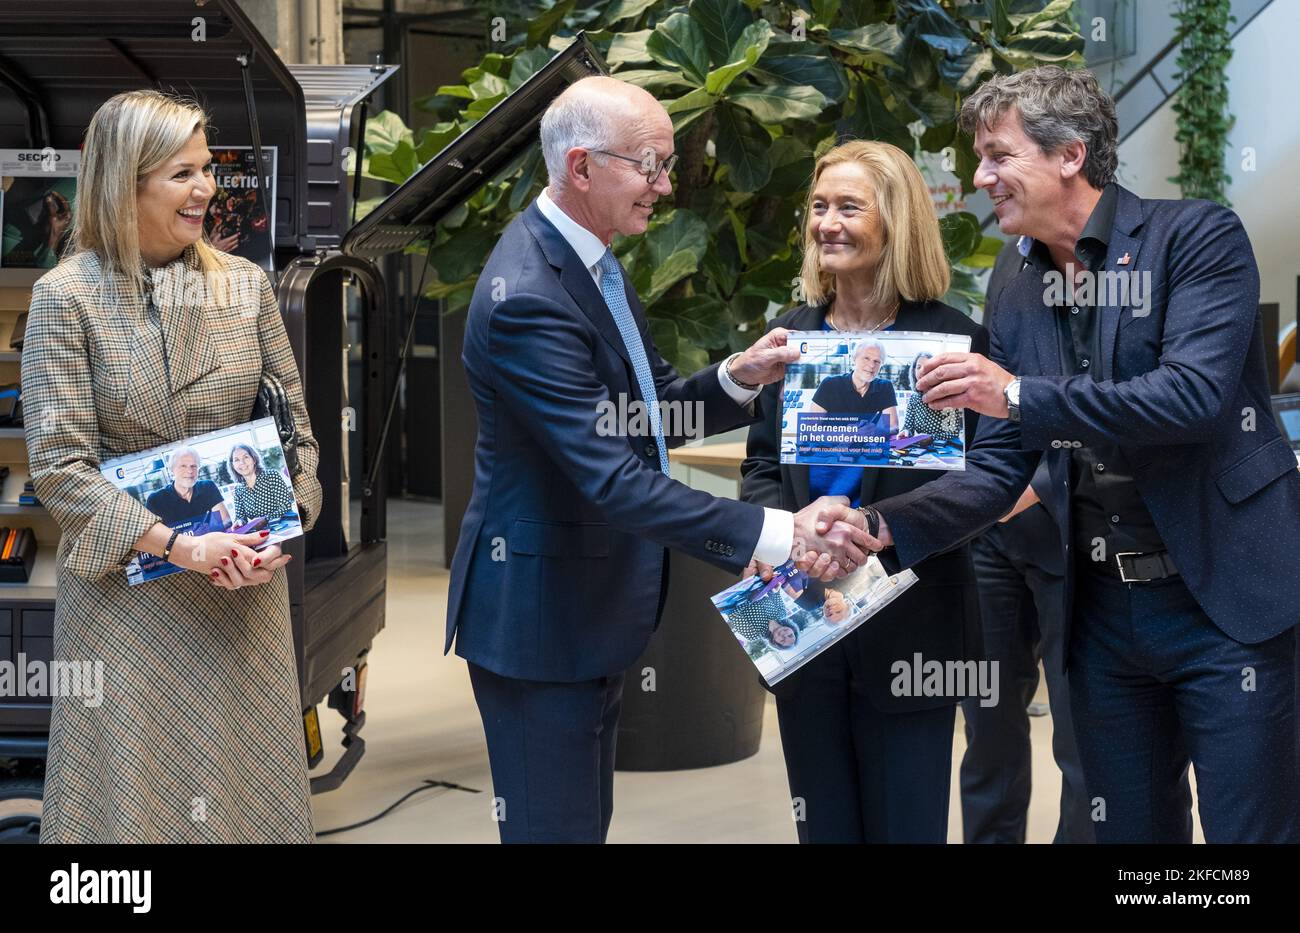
(1020, 592)
(551, 750)
(858, 774)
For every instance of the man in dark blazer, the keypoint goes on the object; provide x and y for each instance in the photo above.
(1179, 500)
(560, 572)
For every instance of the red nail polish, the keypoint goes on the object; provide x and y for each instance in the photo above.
(257, 561)
(264, 533)
(214, 572)
(224, 561)
(234, 553)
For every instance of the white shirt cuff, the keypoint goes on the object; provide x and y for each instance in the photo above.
(776, 539)
(742, 397)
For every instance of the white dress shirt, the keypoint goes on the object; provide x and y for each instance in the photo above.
(777, 536)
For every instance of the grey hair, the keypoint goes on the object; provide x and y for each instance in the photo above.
(181, 451)
(866, 344)
(574, 120)
(1056, 106)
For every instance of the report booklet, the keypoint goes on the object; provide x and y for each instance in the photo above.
(851, 401)
(231, 480)
(784, 622)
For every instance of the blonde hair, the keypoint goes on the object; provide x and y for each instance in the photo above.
(912, 262)
(131, 135)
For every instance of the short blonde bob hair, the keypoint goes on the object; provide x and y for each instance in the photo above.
(131, 135)
(912, 262)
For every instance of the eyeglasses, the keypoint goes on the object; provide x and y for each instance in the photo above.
(651, 167)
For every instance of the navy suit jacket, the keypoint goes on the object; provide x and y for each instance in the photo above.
(1184, 393)
(558, 573)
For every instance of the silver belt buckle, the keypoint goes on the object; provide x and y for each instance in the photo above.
(1120, 564)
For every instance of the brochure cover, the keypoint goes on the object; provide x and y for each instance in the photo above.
(237, 222)
(230, 480)
(38, 191)
(851, 401)
(790, 618)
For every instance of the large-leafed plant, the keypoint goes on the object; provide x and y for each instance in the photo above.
(756, 92)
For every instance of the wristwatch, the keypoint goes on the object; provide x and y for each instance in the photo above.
(1012, 393)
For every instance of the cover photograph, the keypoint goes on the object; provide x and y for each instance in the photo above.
(851, 400)
(231, 480)
(38, 192)
(785, 621)
(237, 222)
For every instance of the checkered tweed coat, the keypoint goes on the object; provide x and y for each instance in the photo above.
(199, 736)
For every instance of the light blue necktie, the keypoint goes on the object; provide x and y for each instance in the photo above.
(611, 286)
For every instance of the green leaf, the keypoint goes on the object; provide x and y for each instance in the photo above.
(679, 230)
(689, 107)
(395, 166)
(878, 42)
(464, 254)
(454, 90)
(678, 43)
(961, 235)
(544, 24)
(1000, 22)
(628, 48)
(620, 10)
(668, 273)
(792, 167)
(701, 320)
(777, 103)
(985, 255)
(933, 26)
(965, 71)
(522, 188)
(489, 85)
(1056, 10)
(385, 130)
(871, 119)
(434, 139)
(933, 107)
(653, 78)
(526, 63)
(742, 145)
(721, 24)
(749, 47)
(818, 71)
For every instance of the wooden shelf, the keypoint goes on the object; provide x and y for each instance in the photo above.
(728, 454)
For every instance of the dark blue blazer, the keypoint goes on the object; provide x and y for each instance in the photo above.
(1184, 393)
(559, 569)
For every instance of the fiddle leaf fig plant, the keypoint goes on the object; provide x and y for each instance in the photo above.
(756, 91)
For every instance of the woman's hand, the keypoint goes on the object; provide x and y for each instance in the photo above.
(228, 559)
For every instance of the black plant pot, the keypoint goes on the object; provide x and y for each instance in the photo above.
(706, 705)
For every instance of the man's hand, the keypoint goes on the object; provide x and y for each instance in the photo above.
(965, 380)
(817, 564)
(830, 539)
(766, 360)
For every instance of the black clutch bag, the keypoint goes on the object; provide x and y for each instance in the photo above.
(272, 402)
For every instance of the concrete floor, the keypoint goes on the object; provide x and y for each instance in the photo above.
(422, 725)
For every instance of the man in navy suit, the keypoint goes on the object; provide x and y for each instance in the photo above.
(561, 570)
(1178, 500)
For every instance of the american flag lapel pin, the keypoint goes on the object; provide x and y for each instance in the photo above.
(1123, 260)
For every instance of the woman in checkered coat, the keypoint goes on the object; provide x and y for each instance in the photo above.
(145, 335)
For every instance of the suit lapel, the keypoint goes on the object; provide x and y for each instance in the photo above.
(575, 278)
(1123, 246)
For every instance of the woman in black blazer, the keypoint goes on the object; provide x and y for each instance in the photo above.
(865, 764)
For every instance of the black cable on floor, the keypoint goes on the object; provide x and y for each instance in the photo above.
(427, 784)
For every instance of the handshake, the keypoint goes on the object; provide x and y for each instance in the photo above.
(831, 540)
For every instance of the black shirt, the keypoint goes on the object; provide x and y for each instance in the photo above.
(1105, 501)
(171, 509)
(839, 396)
